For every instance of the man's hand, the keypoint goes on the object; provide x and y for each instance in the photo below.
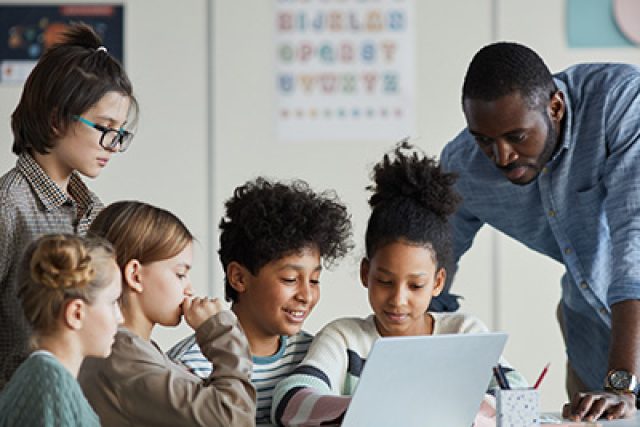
(600, 404)
(197, 310)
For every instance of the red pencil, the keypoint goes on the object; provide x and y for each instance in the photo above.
(542, 374)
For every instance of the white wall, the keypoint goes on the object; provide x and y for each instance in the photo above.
(165, 57)
(171, 160)
(244, 131)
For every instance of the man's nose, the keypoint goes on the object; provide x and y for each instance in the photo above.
(503, 153)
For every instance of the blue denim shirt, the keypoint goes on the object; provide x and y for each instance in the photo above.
(583, 210)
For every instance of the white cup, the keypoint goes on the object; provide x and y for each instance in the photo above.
(517, 407)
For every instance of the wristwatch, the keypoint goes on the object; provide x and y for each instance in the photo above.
(621, 381)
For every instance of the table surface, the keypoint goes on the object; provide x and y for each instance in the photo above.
(631, 422)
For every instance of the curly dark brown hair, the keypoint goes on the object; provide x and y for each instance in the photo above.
(412, 201)
(267, 220)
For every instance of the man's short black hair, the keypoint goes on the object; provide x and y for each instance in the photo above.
(503, 68)
(266, 220)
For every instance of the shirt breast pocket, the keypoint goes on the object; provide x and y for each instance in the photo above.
(588, 212)
(592, 197)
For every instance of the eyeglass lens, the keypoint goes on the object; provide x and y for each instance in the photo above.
(112, 138)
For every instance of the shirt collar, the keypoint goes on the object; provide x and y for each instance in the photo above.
(49, 193)
(567, 140)
(263, 360)
(80, 192)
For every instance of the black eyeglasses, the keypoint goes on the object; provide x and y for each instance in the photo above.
(111, 139)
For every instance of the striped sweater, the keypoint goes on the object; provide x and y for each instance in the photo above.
(319, 389)
(267, 371)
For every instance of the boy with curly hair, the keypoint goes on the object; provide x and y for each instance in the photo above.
(275, 238)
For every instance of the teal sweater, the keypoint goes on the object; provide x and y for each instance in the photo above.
(42, 392)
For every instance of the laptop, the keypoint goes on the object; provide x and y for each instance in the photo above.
(425, 381)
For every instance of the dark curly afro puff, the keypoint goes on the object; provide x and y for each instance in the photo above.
(411, 202)
(266, 220)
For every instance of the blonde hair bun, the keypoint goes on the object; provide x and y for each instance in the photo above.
(61, 263)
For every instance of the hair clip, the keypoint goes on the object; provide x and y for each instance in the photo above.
(102, 48)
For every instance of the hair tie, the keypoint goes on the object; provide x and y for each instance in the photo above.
(101, 48)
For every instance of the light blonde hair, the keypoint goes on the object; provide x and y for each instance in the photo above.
(142, 232)
(58, 268)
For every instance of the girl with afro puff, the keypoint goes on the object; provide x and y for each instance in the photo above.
(408, 247)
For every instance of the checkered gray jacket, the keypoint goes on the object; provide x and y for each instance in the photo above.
(31, 205)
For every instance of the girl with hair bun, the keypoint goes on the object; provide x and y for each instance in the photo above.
(69, 291)
(408, 248)
(75, 113)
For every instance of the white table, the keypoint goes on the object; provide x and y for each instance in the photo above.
(631, 422)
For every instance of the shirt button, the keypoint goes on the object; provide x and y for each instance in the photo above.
(552, 213)
(603, 310)
(584, 285)
(567, 251)
(545, 170)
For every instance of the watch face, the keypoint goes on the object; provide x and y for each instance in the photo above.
(620, 380)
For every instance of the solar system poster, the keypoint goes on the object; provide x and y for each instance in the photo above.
(27, 31)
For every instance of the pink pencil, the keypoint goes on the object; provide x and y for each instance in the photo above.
(542, 374)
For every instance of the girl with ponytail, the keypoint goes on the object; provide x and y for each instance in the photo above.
(408, 248)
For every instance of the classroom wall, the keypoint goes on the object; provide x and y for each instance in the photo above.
(202, 74)
(167, 165)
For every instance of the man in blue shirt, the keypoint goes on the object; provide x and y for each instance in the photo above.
(554, 162)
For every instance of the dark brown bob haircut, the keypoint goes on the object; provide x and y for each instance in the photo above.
(70, 78)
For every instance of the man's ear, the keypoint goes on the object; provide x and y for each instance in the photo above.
(557, 106)
(132, 274)
(74, 313)
(237, 276)
(364, 272)
(440, 281)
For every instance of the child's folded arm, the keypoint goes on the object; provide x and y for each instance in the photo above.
(151, 390)
(224, 344)
(225, 398)
(316, 384)
(306, 406)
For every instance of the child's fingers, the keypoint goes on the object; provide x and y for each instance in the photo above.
(200, 309)
(204, 302)
(186, 304)
(217, 303)
(566, 410)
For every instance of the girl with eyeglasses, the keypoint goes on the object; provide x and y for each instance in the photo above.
(74, 114)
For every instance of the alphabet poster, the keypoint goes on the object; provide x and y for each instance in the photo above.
(345, 70)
